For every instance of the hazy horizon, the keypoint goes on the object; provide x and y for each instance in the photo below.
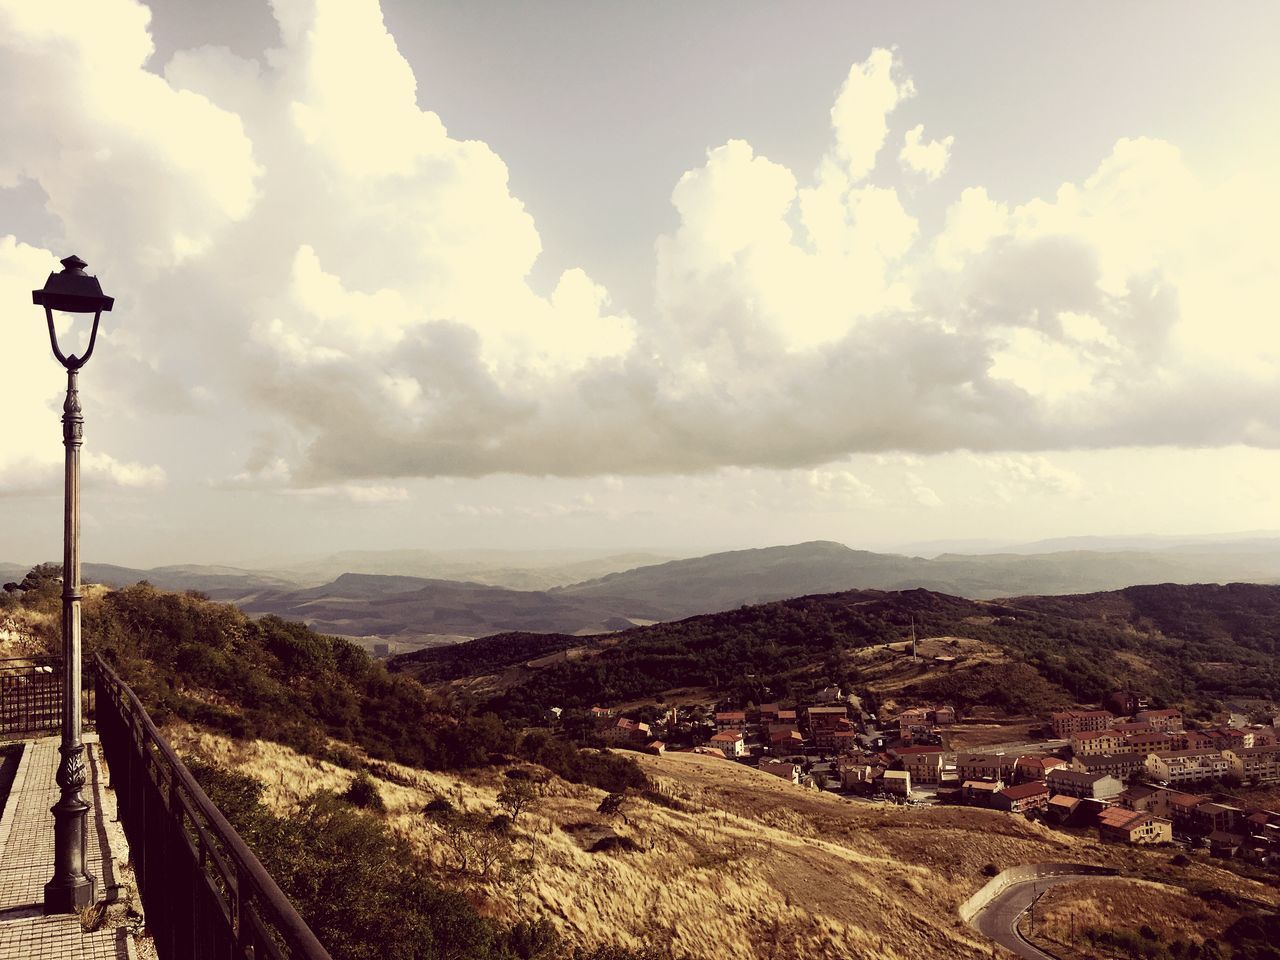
(700, 277)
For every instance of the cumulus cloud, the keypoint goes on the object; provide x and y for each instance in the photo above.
(929, 158)
(355, 282)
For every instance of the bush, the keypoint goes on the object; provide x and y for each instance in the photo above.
(990, 870)
(363, 793)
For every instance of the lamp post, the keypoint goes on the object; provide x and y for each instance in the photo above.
(71, 291)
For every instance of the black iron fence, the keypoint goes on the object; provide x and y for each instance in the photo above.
(205, 893)
(30, 696)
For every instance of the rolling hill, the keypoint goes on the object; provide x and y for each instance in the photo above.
(724, 580)
(413, 609)
(1192, 645)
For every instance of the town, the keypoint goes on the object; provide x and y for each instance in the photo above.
(1135, 774)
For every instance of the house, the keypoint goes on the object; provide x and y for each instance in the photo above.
(731, 719)
(1069, 722)
(1023, 798)
(628, 731)
(1127, 728)
(1124, 702)
(1211, 816)
(1093, 742)
(1150, 742)
(1035, 766)
(768, 713)
(786, 742)
(1062, 808)
(776, 768)
(857, 776)
(840, 739)
(1145, 798)
(826, 718)
(1227, 738)
(913, 717)
(656, 747)
(1182, 807)
(1160, 719)
(1254, 765)
(787, 716)
(1119, 765)
(1193, 740)
(984, 766)
(980, 793)
(1089, 786)
(731, 742)
(1185, 766)
(600, 713)
(923, 763)
(944, 716)
(1223, 844)
(896, 782)
(1133, 826)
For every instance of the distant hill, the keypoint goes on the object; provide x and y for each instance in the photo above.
(363, 605)
(397, 603)
(514, 569)
(724, 580)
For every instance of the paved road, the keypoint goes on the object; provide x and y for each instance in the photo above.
(999, 919)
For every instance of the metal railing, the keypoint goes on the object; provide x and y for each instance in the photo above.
(205, 893)
(30, 695)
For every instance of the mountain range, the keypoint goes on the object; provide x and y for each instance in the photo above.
(388, 596)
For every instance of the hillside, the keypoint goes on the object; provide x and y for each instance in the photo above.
(1055, 651)
(417, 598)
(724, 580)
(514, 569)
(723, 861)
(411, 609)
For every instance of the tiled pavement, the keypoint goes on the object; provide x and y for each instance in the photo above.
(26, 863)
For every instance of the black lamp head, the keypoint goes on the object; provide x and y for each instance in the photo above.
(71, 290)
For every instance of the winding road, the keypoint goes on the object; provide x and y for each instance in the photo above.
(999, 919)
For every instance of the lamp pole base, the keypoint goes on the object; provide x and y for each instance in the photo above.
(70, 896)
(72, 887)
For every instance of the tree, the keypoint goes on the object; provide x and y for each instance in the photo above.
(516, 796)
(612, 806)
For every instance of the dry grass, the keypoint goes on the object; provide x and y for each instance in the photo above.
(1081, 906)
(964, 736)
(748, 866)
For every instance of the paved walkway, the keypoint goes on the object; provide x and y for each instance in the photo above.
(26, 863)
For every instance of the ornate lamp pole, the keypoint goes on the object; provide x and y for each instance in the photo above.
(71, 291)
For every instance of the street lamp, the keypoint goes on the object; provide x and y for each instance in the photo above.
(71, 291)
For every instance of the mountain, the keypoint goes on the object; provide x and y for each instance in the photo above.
(418, 609)
(514, 569)
(724, 580)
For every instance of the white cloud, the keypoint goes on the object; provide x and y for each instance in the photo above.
(860, 113)
(929, 158)
(353, 283)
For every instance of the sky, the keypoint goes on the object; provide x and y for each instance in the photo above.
(684, 276)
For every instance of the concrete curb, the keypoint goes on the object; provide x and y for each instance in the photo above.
(1027, 871)
(11, 807)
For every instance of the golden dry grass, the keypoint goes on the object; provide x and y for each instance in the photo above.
(749, 866)
(964, 736)
(1075, 908)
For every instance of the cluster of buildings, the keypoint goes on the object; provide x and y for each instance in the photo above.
(1122, 773)
(778, 739)
(1097, 779)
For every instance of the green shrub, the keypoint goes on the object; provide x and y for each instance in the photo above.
(363, 793)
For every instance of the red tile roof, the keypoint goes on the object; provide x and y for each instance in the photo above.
(1025, 790)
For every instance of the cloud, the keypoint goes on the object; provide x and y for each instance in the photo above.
(928, 158)
(350, 284)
